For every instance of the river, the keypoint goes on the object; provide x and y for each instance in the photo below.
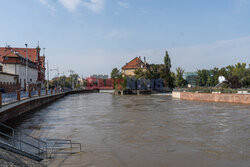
(144, 131)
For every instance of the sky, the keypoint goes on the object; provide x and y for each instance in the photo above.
(95, 36)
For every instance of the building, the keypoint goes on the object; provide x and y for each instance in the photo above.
(15, 64)
(34, 58)
(99, 76)
(8, 78)
(136, 63)
(191, 78)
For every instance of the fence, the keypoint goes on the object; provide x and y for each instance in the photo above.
(7, 98)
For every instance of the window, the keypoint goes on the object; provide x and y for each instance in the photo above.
(1, 68)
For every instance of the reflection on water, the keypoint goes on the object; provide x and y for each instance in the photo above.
(145, 131)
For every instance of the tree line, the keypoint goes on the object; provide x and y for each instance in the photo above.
(236, 76)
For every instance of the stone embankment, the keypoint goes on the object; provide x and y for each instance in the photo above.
(214, 97)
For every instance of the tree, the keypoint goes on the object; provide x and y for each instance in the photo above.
(202, 78)
(166, 72)
(115, 74)
(153, 71)
(179, 80)
(139, 73)
(234, 82)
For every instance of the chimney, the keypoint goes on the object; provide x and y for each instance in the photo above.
(140, 57)
(145, 60)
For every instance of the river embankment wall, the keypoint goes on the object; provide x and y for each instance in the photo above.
(13, 110)
(213, 97)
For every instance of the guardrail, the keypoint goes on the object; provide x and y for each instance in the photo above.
(7, 98)
(55, 144)
(23, 142)
(35, 148)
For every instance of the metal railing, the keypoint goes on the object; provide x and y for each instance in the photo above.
(9, 97)
(34, 93)
(56, 144)
(23, 142)
(24, 94)
(43, 92)
(12, 97)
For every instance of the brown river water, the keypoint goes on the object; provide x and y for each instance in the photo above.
(144, 131)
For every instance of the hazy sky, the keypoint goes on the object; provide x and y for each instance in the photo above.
(94, 36)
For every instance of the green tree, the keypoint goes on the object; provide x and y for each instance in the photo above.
(153, 71)
(166, 72)
(115, 74)
(202, 78)
(139, 73)
(179, 80)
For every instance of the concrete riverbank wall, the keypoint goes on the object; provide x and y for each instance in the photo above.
(213, 97)
(16, 109)
(13, 110)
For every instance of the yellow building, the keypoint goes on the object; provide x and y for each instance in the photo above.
(130, 67)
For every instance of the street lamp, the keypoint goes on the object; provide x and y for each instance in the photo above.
(26, 71)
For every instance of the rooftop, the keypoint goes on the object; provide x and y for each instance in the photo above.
(134, 64)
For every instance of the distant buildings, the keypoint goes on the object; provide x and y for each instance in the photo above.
(129, 68)
(99, 76)
(13, 61)
(191, 78)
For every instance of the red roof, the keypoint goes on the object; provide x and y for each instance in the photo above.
(32, 52)
(134, 64)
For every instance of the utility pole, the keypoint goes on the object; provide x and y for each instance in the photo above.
(26, 71)
(71, 73)
(47, 70)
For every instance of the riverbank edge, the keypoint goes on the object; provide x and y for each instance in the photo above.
(213, 97)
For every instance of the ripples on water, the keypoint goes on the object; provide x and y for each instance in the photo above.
(146, 130)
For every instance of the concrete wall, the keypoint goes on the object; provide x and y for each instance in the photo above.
(176, 94)
(128, 72)
(222, 97)
(16, 109)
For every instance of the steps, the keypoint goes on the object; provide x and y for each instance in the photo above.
(21, 143)
(34, 148)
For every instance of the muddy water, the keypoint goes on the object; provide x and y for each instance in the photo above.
(138, 131)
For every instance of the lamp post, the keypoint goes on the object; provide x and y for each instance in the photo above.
(26, 71)
(47, 74)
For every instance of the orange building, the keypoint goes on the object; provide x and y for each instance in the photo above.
(136, 63)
